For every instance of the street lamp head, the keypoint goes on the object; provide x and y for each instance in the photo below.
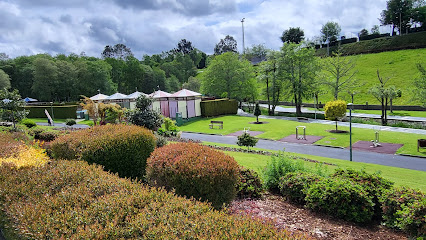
(242, 20)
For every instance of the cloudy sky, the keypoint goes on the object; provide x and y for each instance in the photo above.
(151, 26)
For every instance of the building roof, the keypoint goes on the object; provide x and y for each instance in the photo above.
(160, 94)
(99, 96)
(135, 95)
(116, 96)
(185, 93)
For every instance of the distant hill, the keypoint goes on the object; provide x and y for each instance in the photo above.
(399, 65)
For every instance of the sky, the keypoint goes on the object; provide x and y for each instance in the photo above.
(30, 27)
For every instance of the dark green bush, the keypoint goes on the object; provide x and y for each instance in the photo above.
(295, 184)
(405, 209)
(44, 135)
(249, 184)
(218, 107)
(341, 198)
(70, 122)
(144, 116)
(374, 184)
(194, 170)
(247, 140)
(75, 200)
(28, 123)
(119, 148)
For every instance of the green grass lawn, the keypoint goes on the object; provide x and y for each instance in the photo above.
(277, 129)
(44, 120)
(379, 112)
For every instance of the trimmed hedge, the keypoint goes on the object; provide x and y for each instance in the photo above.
(295, 184)
(218, 107)
(119, 148)
(341, 198)
(194, 170)
(62, 112)
(75, 200)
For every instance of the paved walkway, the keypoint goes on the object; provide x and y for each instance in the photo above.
(346, 124)
(413, 163)
(77, 126)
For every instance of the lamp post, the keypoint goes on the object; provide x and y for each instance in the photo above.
(350, 131)
(242, 26)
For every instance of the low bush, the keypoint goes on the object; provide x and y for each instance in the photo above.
(44, 135)
(8, 144)
(170, 129)
(295, 184)
(247, 140)
(26, 156)
(405, 208)
(160, 140)
(119, 148)
(374, 184)
(70, 122)
(341, 198)
(249, 184)
(194, 170)
(74, 200)
(28, 123)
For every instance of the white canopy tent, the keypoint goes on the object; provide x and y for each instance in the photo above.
(186, 102)
(99, 97)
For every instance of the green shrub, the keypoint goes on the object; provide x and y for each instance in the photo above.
(70, 122)
(194, 170)
(218, 107)
(74, 200)
(341, 198)
(160, 140)
(170, 129)
(405, 208)
(249, 184)
(144, 116)
(28, 123)
(44, 135)
(294, 185)
(247, 140)
(374, 184)
(119, 148)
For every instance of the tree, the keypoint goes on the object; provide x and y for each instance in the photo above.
(228, 76)
(398, 13)
(419, 91)
(118, 51)
(257, 112)
(91, 107)
(419, 16)
(335, 110)
(298, 67)
(144, 116)
(247, 140)
(270, 74)
(193, 84)
(184, 47)
(256, 54)
(330, 31)
(229, 44)
(363, 33)
(45, 79)
(293, 35)
(382, 93)
(4, 80)
(375, 29)
(341, 72)
(11, 106)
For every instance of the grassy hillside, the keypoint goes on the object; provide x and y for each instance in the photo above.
(399, 65)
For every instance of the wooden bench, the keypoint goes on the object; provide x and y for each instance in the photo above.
(421, 143)
(217, 123)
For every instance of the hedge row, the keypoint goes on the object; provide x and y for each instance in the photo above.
(119, 148)
(218, 107)
(62, 112)
(75, 200)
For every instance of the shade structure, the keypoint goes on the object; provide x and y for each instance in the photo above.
(28, 99)
(99, 97)
(160, 94)
(135, 95)
(161, 102)
(116, 96)
(186, 102)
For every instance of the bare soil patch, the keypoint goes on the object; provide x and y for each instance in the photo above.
(337, 131)
(309, 139)
(388, 148)
(296, 219)
(258, 122)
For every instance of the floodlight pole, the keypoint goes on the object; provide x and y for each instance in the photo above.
(350, 131)
(242, 26)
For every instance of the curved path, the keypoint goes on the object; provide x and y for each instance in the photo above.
(413, 163)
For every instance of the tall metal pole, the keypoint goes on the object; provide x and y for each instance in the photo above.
(242, 26)
(350, 131)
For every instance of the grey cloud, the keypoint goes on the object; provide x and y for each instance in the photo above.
(55, 47)
(10, 21)
(65, 18)
(104, 29)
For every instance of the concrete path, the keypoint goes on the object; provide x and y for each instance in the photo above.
(413, 163)
(363, 115)
(346, 124)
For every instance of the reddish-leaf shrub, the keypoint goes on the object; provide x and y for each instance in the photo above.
(294, 185)
(405, 208)
(8, 144)
(249, 184)
(194, 170)
(75, 200)
(119, 148)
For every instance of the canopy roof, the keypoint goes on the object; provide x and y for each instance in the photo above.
(28, 99)
(135, 95)
(160, 94)
(116, 96)
(185, 93)
(99, 96)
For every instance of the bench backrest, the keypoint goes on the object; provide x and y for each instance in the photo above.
(216, 122)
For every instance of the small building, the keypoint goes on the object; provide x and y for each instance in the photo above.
(99, 97)
(130, 102)
(161, 102)
(118, 98)
(186, 102)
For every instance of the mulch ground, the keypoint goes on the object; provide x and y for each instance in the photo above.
(239, 133)
(296, 219)
(387, 148)
(309, 139)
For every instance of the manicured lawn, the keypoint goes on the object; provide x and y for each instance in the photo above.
(395, 113)
(277, 129)
(44, 120)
